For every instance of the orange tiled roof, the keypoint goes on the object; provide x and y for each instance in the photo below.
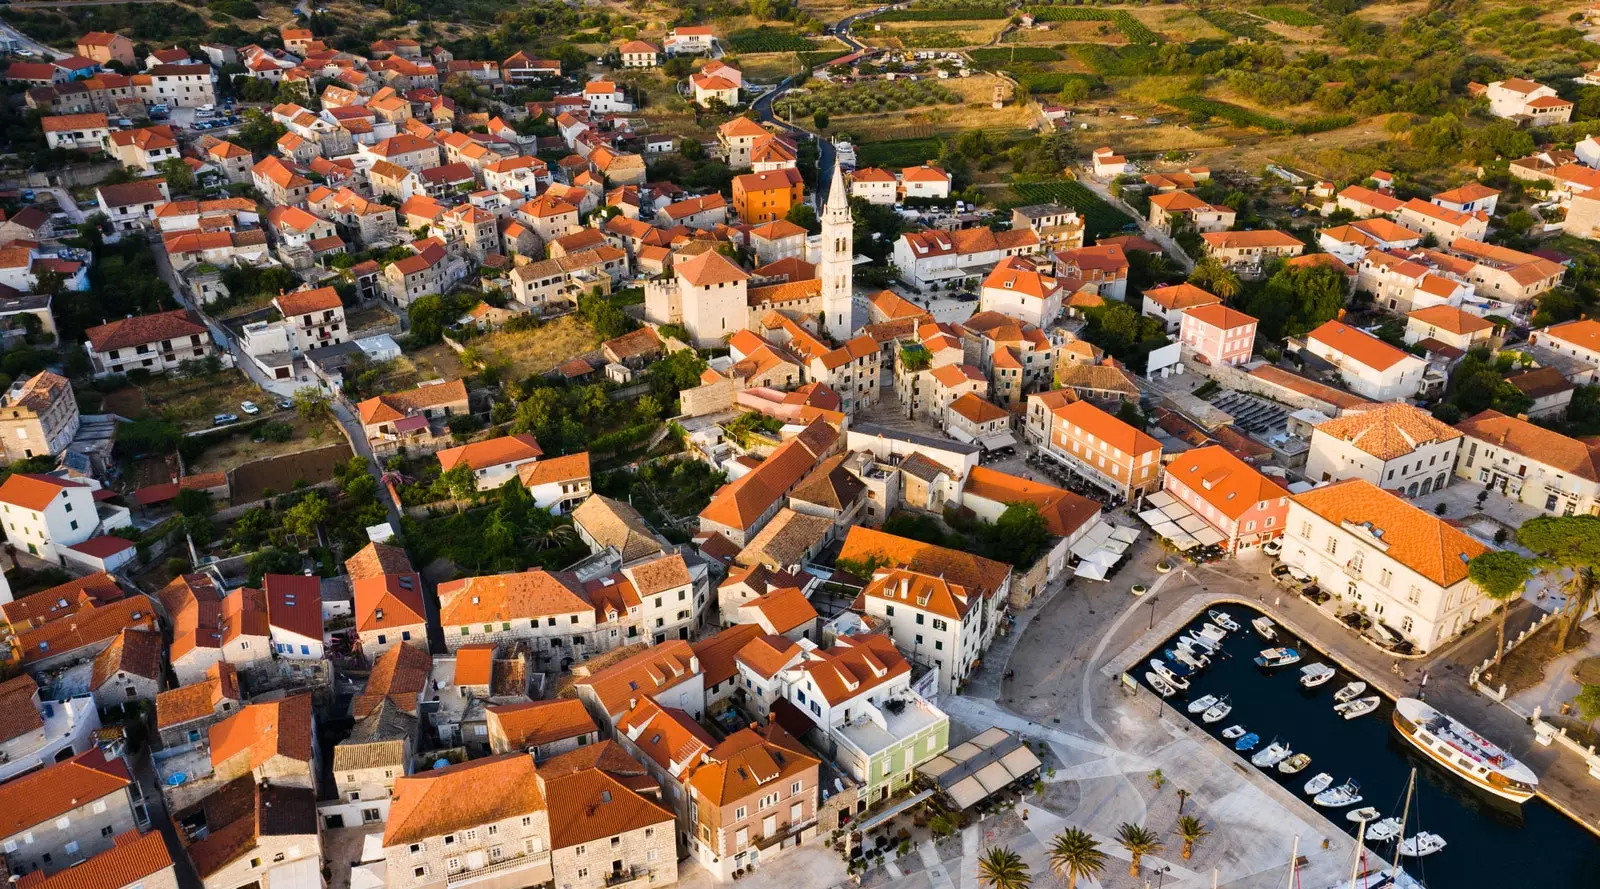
(1390, 430)
(493, 452)
(541, 722)
(471, 794)
(1361, 347)
(1417, 539)
(970, 571)
(55, 790)
(262, 731)
(653, 670)
(504, 597)
(1578, 456)
(176, 706)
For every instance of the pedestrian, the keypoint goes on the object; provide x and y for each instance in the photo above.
(1277, 602)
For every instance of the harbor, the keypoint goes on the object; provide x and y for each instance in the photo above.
(1366, 756)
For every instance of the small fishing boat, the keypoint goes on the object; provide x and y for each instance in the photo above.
(1384, 831)
(1173, 679)
(1248, 742)
(1271, 755)
(1195, 640)
(1295, 764)
(1265, 627)
(1421, 845)
(1177, 667)
(1357, 707)
(1223, 620)
(1183, 656)
(1233, 731)
(1200, 705)
(1277, 657)
(1346, 794)
(1315, 675)
(1350, 692)
(1365, 813)
(1318, 784)
(1162, 686)
(1213, 633)
(1218, 711)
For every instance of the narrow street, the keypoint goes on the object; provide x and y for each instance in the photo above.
(1145, 229)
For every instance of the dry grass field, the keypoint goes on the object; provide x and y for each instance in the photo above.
(536, 351)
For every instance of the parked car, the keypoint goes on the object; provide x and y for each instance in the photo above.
(224, 419)
(285, 404)
(249, 407)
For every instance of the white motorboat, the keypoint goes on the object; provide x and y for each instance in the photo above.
(1463, 751)
(1233, 731)
(1195, 640)
(1162, 686)
(1421, 845)
(1278, 657)
(1365, 813)
(1265, 627)
(1200, 705)
(1346, 794)
(1319, 783)
(1190, 659)
(1223, 620)
(1357, 707)
(1384, 831)
(1350, 692)
(1271, 755)
(1173, 679)
(1295, 764)
(1213, 633)
(1316, 674)
(1218, 711)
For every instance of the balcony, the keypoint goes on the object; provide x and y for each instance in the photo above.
(537, 865)
(629, 876)
(1351, 570)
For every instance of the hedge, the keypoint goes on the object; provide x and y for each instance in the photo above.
(1131, 28)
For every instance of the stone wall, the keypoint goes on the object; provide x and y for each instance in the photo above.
(1238, 379)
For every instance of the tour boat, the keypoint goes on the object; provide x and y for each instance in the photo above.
(1315, 675)
(1200, 705)
(1218, 711)
(1265, 627)
(1278, 657)
(1162, 686)
(1349, 692)
(1421, 845)
(1223, 620)
(1365, 813)
(1295, 764)
(1233, 731)
(1271, 755)
(1248, 742)
(1173, 679)
(1463, 751)
(1384, 831)
(1213, 633)
(1318, 784)
(1357, 707)
(1346, 794)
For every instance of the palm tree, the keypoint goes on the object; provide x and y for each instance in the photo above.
(1001, 868)
(1501, 575)
(1073, 854)
(1191, 831)
(1139, 841)
(1183, 797)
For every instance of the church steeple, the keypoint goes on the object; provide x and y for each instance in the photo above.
(837, 260)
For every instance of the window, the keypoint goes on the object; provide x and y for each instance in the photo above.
(107, 831)
(1357, 560)
(1406, 624)
(583, 872)
(493, 829)
(1333, 546)
(452, 863)
(419, 871)
(527, 821)
(940, 624)
(415, 848)
(580, 850)
(1305, 530)
(739, 813)
(469, 835)
(1415, 595)
(889, 611)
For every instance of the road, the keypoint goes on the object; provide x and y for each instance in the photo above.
(1145, 229)
(23, 41)
(825, 153)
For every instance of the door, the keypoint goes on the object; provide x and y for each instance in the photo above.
(769, 825)
(475, 860)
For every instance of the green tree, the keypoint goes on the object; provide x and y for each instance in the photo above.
(1139, 841)
(1211, 275)
(1191, 831)
(820, 120)
(271, 560)
(303, 518)
(430, 314)
(192, 502)
(459, 482)
(1019, 534)
(1074, 91)
(1074, 854)
(803, 215)
(311, 403)
(259, 134)
(1571, 542)
(1001, 868)
(676, 372)
(1587, 703)
(180, 179)
(648, 408)
(1501, 574)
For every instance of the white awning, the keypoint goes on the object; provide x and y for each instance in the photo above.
(1152, 516)
(1209, 536)
(1125, 534)
(1168, 530)
(1159, 499)
(998, 440)
(1090, 570)
(1192, 524)
(958, 434)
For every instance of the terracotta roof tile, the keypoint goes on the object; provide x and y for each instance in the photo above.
(263, 731)
(57, 789)
(1388, 431)
(1419, 540)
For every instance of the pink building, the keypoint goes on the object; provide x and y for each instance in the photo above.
(1218, 334)
(1244, 506)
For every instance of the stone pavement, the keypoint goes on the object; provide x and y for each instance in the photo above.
(1559, 686)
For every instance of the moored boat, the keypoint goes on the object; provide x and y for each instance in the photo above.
(1247, 742)
(1195, 640)
(1233, 731)
(1315, 675)
(1319, 783)
(1271, 755)
(1265, 627)
(1384, 831)
(1357, 707)
(1218, 711)
(1162, 686)
(1346, 794)
(1365, 813)
(1173, 679)
(1350, 692)
(1200, 705)
(1213, 633)
(1223, 620)
(1295, 763)
(1278, 657)
(1461, 750)
(1421, 845)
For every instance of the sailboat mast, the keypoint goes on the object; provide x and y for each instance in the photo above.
(1361, 850)
(1294, 861)
(1400, 838)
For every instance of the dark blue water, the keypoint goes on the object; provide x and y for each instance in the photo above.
(1491, 842)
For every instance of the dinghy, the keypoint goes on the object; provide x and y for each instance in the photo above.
(1183, 656)
(1164, 672)
(1350, 692)
(1162, 686)
(1357, 707)
(1218, 711)
(1248, 742)
(1346, 794)
(1213, 633)
(1365, 813)
(1233, 731)
(1265, 627)
(1315, 675)
(1195, 640)
(1384, 831)
(1318, 784)
(1201, 705)
(1223, 620)
(1277, 657)
(1295, 763)
(1271, 755)
(1421, 845)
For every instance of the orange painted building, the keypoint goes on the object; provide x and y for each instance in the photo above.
(764, 197)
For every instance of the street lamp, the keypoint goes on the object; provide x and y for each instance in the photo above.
(1161, 874)
(1152, 604)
